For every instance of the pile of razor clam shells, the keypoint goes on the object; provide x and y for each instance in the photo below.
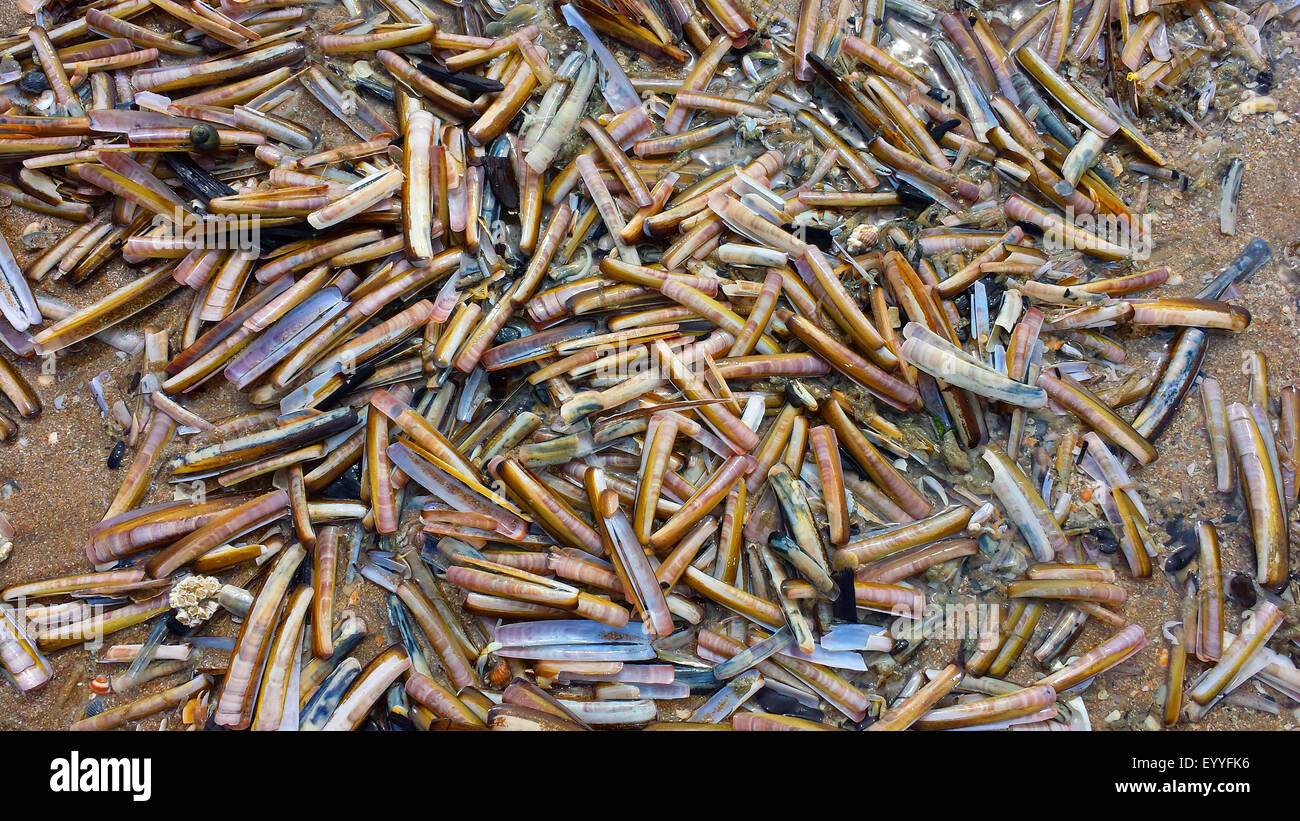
(670, 363)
